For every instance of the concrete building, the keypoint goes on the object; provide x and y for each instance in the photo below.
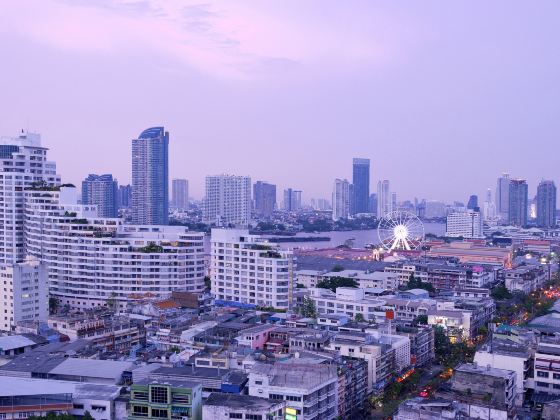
(93, 259)
(13, 345)
(546, 204)
(180, 194)
(150, 177)
(547, 366)
(23, 163)
(101, 191)
(231, 406)
(434, 209)
(309, 278)
(124, 196)
(341, 199)
(471, 253)
(502, 197)
(489, 208)
(383, 198)
(292, 199)
(227, 200)
(25, 295)
(165, 398)
(524, 279)
(264, 196)
(467, 224)
(247, 269)
(309, 389)
(360, 180)
(518, 201)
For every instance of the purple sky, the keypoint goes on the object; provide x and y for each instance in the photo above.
(441, 96)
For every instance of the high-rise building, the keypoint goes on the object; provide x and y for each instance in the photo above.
(103, 258)
(267, 281)
(383, 198)
(124, 196)
(489, 207)
(180, 194)
(341, 199)
(150, 177)
(502, 197)
(264, 195)
(360, 181)
(292, 199)
(321, 204)
(23, 163)
(394, 205)
(473, 202)
(518, 200)
(546, 204)
(101, 191)
(373, 203)
(227, 200)
(466, 224)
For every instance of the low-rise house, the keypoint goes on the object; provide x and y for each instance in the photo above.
(13, 345)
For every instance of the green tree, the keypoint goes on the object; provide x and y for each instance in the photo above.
(87, 416)
(500, 292)
(111, 301)
(308, 308)
(337, 268)
(420, 320)
(333, 283)
(207, 282)
(414, 283)
(54, 303)
(359, 318)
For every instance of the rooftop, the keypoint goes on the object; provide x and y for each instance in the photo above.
(299, 375)
(241, 401)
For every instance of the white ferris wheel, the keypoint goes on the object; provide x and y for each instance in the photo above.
(400, 230)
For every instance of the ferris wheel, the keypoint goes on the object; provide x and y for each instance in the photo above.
(400, 230)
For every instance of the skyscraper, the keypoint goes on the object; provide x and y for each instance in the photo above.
(373, 203)
(102, 191)
(502, 197)
(23, 164)
(124, 196)
(264, 195)
(292, 199)
(383, 198)
(489, 207)
(518, 197)
(150, 177)
(180, 194)
(360, 180)
(473, 202)
(546, 204)
(341, 199)
(227, 200)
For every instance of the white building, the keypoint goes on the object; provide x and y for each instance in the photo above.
(383, 198)
(310, 389)
(489, 209)
(466, 224)
(547, 366)
(24, 293)
(248, 269)
(502, 197)
(227, 200)
(91, 260)
(180, 194)
(233, 406)
(341, 199)
(309, 278)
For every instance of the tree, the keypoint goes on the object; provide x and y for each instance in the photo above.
(418, 284)
(337, 268)
(308, 308)
(420, 320)
(111, 302)
(54, 303)
(333, 283)
(87, 416)
(500, 292)
(207, 282)
(359, 318)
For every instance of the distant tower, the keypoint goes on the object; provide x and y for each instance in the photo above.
(546, 204)
(227, 200)
(264, 196)
(150, 177)
(383, 198)
(489, 206)
(180, 194)
(292, 199)
(360, 181)
(341, 199)
(102, 191)
(473, 202)
(518, 199)
(502, 197)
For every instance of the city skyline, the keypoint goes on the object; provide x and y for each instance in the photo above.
(405, 87)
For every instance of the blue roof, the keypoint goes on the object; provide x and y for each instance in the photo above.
(151, 133)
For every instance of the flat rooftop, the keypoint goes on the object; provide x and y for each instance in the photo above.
(242, 402)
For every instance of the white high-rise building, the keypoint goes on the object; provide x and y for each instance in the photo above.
(227, 200)
(23, 163)
(383, 198)
(502, 197)
(489, 208)
(25, 293)
(466, 224)
(247, 269)
(91, 260)
(341, 199)
(180, 194)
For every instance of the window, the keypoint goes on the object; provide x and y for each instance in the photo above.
(158, 394)
(292, 398)
(556, 375)
(159, 414)
(556, 386)
(542, 384)
(542, 374)
(235, 415)
(140, 410)
(258, 382)
(253, 416)
(276, 397)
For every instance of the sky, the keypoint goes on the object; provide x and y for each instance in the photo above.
(442, 96)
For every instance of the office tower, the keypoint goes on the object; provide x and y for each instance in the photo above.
(227, 200)
(352, 202)
(264, 195)
(26, 297)
(180, 194)
(383, 198)
(267, 281)
(360, 181)
(103, 258)
(23, 164)
(373, 203)
(466, 224)
(518, 197)
(473, 202)
(489, 207)
(292, 199)
(502, 197)
(434, 209)
(102, 191)
(546, 204)
(150, 177)
(394, 205)
(124, 196)
(341, 199)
